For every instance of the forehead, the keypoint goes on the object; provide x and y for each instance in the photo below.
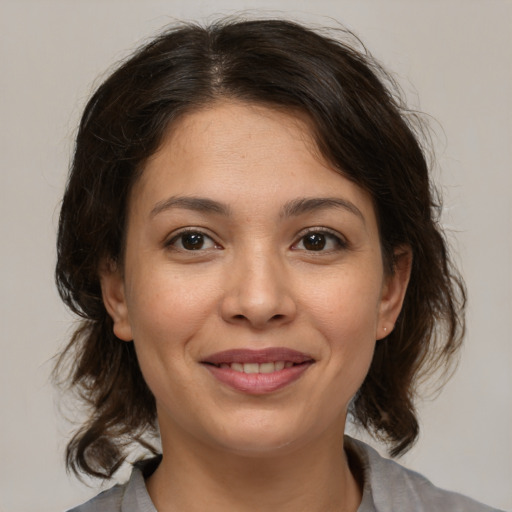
(231, 149)
(234, 128)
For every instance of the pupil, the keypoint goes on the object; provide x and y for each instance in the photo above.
(314, 242)
(192, 241)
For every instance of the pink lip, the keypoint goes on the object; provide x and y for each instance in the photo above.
(257, 356)
(258, 383)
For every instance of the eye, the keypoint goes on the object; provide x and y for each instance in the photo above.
(192, 240)
(320, 240)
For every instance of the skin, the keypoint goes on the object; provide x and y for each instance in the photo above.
(255, 283)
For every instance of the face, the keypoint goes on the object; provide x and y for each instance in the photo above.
(253, 285)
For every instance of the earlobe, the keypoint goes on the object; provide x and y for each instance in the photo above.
(393, 291)
(113, 293)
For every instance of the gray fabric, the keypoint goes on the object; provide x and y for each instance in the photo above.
(388, 487)
(130, 497)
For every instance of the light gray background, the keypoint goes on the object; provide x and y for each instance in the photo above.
(453, 58)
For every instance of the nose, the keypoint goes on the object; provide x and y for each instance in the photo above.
(259, 293)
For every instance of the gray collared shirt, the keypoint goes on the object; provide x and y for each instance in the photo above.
(388, 487)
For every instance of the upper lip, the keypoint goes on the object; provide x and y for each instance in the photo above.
(257, 356)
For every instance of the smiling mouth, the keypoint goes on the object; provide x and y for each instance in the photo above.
(265, 360)
(269, 367)
(258, 371)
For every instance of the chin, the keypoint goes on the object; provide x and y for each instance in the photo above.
(260, 446)
(262, 437)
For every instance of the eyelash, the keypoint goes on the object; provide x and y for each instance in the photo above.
(340, 242)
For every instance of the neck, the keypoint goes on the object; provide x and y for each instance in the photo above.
(198, 478)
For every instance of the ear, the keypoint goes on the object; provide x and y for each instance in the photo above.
(113, 293)
(393, 291)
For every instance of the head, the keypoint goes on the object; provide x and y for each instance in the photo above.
(357, 125)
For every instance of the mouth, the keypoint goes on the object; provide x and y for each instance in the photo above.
(258, 371)
(269, 367)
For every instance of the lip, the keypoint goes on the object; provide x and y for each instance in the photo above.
(257, 356)
(258, 383)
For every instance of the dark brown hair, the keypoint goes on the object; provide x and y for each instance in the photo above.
(361, 127)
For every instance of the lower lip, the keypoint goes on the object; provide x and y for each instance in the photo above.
(258, 383)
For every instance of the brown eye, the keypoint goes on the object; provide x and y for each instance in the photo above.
(320, 241)
(192, 241)
(314, 241)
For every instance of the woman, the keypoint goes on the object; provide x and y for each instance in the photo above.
(250, 235)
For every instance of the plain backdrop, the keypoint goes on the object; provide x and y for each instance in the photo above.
(453, 59)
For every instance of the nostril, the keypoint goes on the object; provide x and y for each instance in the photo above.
(257, 311)
(274, 318)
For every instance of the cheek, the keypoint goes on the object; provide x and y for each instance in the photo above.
(164, 321)
(347, 305)
(165, 305)
(167, 311)
(347, 317)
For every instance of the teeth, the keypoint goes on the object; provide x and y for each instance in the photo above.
(251, 368)
(238, 367)
(269, 367)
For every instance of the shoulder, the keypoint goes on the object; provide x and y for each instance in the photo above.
(394, 488)
(129, 497)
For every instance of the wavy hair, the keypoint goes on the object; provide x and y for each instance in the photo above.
(361, 126)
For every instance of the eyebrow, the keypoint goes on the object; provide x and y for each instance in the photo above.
(293, 208)
(306, 205)
(198, 204)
